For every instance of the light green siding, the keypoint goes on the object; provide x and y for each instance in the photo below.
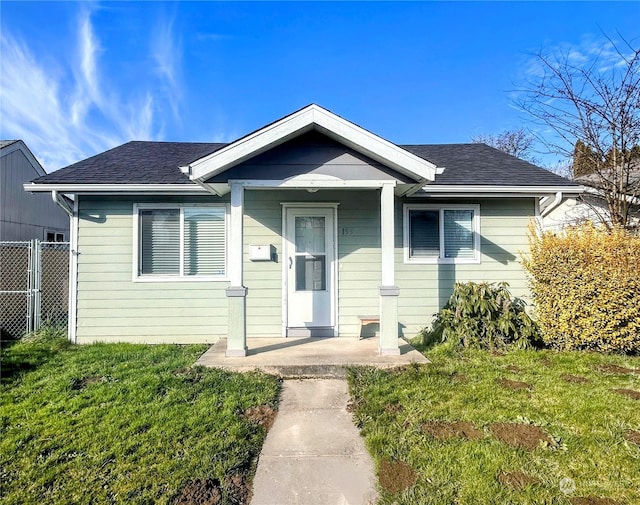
(111, 307)
(358, 232)
(424, 289)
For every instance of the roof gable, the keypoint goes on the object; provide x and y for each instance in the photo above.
(312, 117)
(310, 154)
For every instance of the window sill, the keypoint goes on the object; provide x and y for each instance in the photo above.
(177, 278)
(442, 261)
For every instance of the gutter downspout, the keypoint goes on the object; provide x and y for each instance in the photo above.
(62, 202)
(546, 206)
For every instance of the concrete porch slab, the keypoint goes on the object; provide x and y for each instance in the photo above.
(308, 357)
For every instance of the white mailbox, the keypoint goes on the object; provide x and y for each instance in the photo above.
(261, 252)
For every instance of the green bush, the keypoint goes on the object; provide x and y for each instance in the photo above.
(483, 316)
(586, 287)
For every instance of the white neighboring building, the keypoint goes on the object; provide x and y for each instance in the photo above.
(590, 206)
(25, 216)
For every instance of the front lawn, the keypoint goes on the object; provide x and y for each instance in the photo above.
(526, 427)
(120, 423)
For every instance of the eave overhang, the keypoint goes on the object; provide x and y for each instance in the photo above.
(111, 189)
(487, 191)
(312, 117)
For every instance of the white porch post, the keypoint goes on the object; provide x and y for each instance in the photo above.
(236, 292)
(388, 290)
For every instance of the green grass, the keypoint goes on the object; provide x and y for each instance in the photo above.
(588, 423)
(121, 423)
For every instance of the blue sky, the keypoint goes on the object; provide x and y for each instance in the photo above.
(77, 78)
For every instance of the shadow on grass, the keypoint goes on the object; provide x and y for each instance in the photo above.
(426, 340)
(20, 356)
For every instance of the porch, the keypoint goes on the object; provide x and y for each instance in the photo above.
(308, 357)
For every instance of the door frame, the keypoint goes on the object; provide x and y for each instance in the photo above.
(333, 270)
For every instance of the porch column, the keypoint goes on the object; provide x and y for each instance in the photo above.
(236, 292)
(388, 290)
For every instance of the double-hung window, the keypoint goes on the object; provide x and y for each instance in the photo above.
(441, 233)
(181, 241)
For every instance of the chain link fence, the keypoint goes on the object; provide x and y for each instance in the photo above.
(34, 286)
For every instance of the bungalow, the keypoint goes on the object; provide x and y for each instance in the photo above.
(309, 226)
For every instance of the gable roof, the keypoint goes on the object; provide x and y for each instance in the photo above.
(186, 166)
(140, 162)
(312, 117)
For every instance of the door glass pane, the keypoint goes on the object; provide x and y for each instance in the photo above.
(311, 273)
(310, 234)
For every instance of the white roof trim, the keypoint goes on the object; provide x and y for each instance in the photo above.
(481, 190)
(312, 117)
(116, 188)
(311, 184)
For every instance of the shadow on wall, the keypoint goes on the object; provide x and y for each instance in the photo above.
(447, 271)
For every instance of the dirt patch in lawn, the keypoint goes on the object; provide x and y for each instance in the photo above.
(262, 415)
(514, 369)
(575, 379)
(458, 429)
(396, 476)
(516, 480)
(200, 492)
(620, 370)
(631, 393)
(394, 408)
(546, 362)
(509, 384)
(592, 500)
(237, 490)
(526, 436)
(633, 436)
(459, 377)
(78, 384)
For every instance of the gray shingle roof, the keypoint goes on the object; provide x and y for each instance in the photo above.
(480, 164)
(135, 162)
(6, 143)
(159, 163)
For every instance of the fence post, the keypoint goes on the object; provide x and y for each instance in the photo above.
(30, 282)
(38, 285)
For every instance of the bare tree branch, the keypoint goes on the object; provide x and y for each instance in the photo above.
(593, 109)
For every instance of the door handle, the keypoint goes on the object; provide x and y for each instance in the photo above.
(290, 262)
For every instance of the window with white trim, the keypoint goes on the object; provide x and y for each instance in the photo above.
(181, 241)
(441, 233)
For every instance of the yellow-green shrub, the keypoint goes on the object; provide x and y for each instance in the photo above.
(586, 286)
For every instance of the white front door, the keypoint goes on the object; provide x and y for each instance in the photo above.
(310, 264)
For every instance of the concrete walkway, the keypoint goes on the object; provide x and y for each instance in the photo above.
(313, 454)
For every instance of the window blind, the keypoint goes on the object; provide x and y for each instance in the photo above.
(424, 226)
(458, 234)
(160, 241)
(204, 241)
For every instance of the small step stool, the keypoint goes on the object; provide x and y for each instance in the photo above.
(365, 320)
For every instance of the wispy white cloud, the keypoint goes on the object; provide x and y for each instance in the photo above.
(69, 113)
(166, 50)
(599, 50)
